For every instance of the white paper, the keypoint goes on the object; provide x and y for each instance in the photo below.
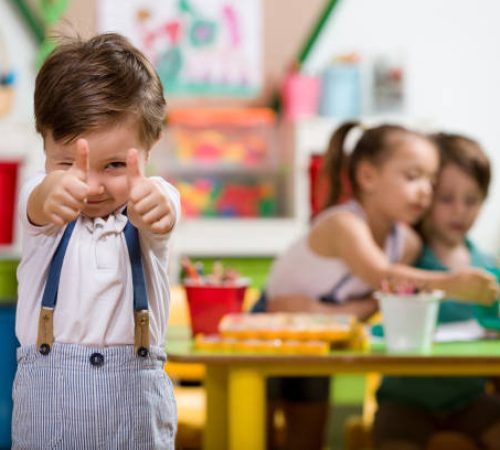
(468, 330)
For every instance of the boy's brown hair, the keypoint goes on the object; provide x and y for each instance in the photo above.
(87, 84)
(466, 154)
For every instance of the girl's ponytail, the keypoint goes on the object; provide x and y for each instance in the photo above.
(335, 162)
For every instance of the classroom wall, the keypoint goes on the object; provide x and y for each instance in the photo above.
(449, 47)
(451, 51)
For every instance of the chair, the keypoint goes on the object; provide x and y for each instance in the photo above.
(358, 429)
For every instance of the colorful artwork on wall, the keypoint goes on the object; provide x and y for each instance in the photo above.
(199, 47)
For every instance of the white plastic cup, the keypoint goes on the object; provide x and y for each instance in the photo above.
(409, 320)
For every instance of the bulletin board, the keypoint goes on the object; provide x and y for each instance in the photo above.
(198, 47)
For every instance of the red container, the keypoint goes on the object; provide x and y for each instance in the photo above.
(300, 94)
(208, 304)
(8, 187)
(319, 185)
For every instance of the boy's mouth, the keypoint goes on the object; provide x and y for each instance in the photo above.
(95, 201)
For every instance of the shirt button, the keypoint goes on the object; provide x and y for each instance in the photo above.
(96, 359)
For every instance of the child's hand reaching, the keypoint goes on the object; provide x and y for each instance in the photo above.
(65, 191)
(473, 285)
(148, 207)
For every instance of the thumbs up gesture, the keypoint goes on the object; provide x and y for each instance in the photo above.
(62, 196)
(149, 207)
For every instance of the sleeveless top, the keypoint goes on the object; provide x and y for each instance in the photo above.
(301, 271)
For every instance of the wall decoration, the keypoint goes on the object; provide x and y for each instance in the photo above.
(199, 47)
(41, 16)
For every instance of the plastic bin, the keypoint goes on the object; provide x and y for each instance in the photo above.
(224, 161)
(8, 187)
(341, 91)
(300, 95)
(8, 345)
(208, 304)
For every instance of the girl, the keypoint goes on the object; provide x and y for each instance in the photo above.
(412, 408)
(352, 247)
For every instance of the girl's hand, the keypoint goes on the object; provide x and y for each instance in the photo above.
(66, 190)
(474, 286)
(148, 207)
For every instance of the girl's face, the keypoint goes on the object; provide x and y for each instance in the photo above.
(107, 175)
(401, 187)
(456, 205)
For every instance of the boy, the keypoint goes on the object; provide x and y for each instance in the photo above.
(411, 408)
(93, 294)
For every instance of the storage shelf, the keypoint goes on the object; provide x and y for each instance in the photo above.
(235, 237)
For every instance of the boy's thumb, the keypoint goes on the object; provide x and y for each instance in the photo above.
(133, 171)
(81, 162)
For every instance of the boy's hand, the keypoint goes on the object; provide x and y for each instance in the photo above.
(66, 190)
(148, 207)
(473, 286)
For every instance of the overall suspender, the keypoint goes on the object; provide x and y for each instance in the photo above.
(141, 315)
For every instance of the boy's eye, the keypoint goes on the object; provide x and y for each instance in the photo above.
(412, 176)
(116, 165)
(443, 198)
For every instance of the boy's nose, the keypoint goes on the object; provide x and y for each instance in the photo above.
(95, 185)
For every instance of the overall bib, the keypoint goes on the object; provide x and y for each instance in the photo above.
(70, 396)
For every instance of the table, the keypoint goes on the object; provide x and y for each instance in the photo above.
(235, 382)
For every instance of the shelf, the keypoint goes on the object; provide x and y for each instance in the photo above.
(176, 170)
(235, 237)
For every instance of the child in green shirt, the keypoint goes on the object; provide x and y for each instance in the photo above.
(412, 408)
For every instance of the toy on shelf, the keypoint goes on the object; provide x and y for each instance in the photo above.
(227, 137)
(212, 197)
(223, 161)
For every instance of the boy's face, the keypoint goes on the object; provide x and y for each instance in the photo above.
(107, 175)
(456, 205)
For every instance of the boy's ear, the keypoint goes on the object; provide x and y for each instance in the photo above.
(162, 133)
(366, 175)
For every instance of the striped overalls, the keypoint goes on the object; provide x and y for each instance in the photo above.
(69, 396)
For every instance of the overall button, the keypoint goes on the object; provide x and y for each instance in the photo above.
(96, 359)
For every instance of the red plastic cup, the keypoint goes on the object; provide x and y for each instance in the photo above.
(8, 187)
(208, 304)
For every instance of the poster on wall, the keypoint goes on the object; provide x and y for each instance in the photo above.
(199, 47)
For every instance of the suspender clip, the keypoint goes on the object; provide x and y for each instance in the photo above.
(45, 330)
(141, 319)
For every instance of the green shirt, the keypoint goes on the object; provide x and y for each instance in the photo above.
(439, 393)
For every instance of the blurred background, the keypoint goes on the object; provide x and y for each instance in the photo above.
(254, 90)
(429, 64)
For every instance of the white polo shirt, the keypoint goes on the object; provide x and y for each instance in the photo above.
(95, 296)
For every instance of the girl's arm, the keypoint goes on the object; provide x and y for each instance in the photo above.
(361, 308)
(348, 237)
